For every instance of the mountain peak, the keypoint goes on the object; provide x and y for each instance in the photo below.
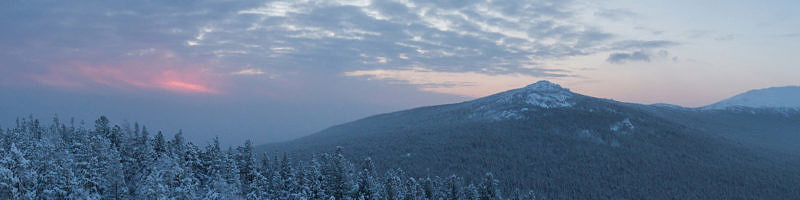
(544, 85)
(541, 94)
(513, 104)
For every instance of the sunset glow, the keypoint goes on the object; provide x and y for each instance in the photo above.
(179, 86)
(185, 81)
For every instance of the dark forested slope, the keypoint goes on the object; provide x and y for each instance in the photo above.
(772, 129)
(564, 145)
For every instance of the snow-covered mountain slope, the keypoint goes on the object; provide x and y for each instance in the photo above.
(513, 104)
(542, 94)
(566, 145)
(774, 97)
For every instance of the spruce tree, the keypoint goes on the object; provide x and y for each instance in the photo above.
(488, 188)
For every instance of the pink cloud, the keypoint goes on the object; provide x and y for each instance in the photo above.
(161, 73)
(180, 86)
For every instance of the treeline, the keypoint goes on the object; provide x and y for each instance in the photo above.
(65, 161)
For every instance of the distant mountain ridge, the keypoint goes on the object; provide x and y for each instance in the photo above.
(774, 97)
(566, 145)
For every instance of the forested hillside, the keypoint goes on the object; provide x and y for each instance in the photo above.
(106, 161)
(571, 146)
(774, 129)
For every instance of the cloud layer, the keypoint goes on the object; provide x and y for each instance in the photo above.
(286, 38)
(272, 59)
(491, 37)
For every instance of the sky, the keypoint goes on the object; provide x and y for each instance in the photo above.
(271, 71)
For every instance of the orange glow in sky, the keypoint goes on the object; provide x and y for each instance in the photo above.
(179, 86)
(186, 80)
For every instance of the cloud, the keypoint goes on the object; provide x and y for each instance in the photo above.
(640, 56)
(309, 52)
(457, 36)
(726, 37)
(639, 50)
(249, 72)
(620, 58)
(615, 14)
(642, 44)
(274, 9)
(156, 72)
(317, 37)
(83, 77)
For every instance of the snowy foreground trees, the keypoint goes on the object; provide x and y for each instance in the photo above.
(62, 161)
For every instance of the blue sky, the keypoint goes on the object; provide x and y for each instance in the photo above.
(276, 70)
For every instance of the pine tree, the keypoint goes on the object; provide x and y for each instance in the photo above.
(17, 178)
(114, 136)
(246, 164)
(177, 145)
(368, 187)
(114, 176)
(338, 173)
(395, 188)
(156, 183)
(222, 173)
(129, 158)
(159, 144)
(88, 174)
(471, 192)
(288, 181)
(54, 175)
(452, 187)
(415, 190)
(143, 156)
(258, 187)
(488, 188)
(194, 175)
(219, 188)
(428, 187)
(316, 180)
(230, 172)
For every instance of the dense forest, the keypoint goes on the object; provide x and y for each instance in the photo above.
(593, 149)
(106, 161)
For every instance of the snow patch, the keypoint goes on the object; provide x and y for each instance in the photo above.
(496, 115)
(597, 138)
(623, 127)
(591, 136)
(549, 100)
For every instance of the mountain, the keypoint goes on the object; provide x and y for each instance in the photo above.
(565, 145)
(774, 97)
(767, 118)
(774, 129)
